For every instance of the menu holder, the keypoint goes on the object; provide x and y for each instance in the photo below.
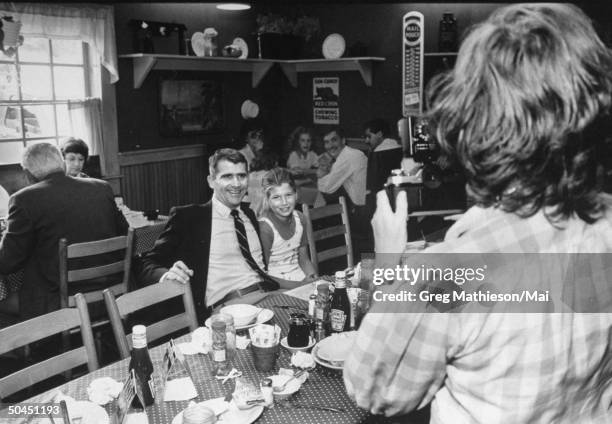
(173, 364)
(125, 399)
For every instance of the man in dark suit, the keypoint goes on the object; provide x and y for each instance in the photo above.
(214, 246)
(55, 206)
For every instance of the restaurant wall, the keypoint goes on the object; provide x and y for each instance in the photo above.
(369, 29)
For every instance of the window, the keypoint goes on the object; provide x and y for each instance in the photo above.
(35, 87)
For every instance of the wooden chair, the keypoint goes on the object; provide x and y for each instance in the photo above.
(71, 278)
(39, 328)
(134, 301)
(313, 214)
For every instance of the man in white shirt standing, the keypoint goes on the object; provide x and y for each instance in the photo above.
(214, 246)
(342, 170)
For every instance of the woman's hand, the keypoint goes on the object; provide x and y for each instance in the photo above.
(390, 234)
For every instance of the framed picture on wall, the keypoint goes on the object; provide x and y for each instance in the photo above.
(190, 107)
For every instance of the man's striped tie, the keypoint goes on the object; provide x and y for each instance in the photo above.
(268, 283)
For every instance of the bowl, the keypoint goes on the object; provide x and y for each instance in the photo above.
(291, 387)
(311, 343)
(242, 313)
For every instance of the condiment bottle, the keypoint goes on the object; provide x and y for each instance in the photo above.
(219, 346)
(312, 302)
(340, 309)
(140, 362)
(322, 302)
(319, 331)
(268, 392)
(230, 336)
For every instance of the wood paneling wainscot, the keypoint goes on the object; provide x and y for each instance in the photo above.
(162, 178)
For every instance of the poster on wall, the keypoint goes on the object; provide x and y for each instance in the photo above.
(325, 101)
(412, 58)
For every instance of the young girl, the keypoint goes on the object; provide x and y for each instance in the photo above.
(282, 230)
(302, 159)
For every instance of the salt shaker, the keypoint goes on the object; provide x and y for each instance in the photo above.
(268, 392)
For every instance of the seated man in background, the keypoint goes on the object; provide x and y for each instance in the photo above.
(75, 153)
(529, 144)
(215, 246)
(342, 170)
(386, 155)
(55, 206)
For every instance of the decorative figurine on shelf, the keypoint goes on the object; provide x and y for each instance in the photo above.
(210, 42)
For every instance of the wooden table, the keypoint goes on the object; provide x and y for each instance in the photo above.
(324, 386)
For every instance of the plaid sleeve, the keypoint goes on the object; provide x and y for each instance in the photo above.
(398, 362)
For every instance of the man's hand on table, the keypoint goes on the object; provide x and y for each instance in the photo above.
(179, 273)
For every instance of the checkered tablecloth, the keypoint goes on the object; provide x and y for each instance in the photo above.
(324, 386)
(144, 239)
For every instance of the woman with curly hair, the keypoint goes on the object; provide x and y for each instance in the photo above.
(526, 115)
(302, 160)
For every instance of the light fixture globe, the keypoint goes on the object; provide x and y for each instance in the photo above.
(233, 6)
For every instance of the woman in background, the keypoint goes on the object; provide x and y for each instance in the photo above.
(302, 160)
(262, 163)
(75, 153)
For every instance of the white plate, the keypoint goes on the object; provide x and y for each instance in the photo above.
(242, 45)
(333, 46)
(232, 416)
(85, 412)
(323, 362)
(336, 347)
(197, 43)
(265, 316)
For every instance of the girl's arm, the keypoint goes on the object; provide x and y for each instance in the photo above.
(306, 265)
(267, 238)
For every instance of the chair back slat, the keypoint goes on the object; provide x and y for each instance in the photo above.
(162, 328)
(148, 296)
(325, 211)
(39, 328)
(328, 254)
(97, 296)
(95, 272)
(71, 277)
(313, 214)
(98, 247)
(42, 370)
(330, 232)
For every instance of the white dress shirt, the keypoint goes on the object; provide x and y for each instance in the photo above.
(349, 171)
(227, 268)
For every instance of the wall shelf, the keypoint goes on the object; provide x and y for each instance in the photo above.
(362, 64)
(440, 54)
(144, 63)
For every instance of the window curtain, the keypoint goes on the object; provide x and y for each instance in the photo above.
(86, 124)
(93, 24)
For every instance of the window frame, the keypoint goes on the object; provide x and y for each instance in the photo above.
(88, 81)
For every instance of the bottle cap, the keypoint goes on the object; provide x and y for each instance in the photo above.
(139, 336)
(218, 325)
(340, 274)
(323, 287)
(139, 329)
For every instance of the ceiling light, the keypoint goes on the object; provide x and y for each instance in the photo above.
(233, 6)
